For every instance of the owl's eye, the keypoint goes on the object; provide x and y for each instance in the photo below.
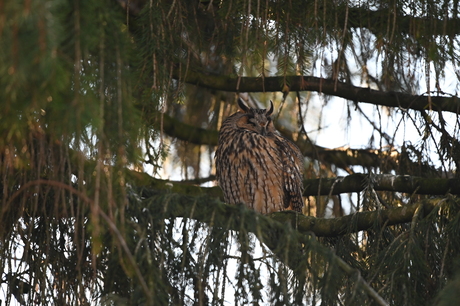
(252, 121)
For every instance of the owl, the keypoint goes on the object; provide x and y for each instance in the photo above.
(255, 165)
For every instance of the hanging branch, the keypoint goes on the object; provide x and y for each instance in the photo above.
(270, 231)
(354, 183)
(319, 226)
(366, 287)
(90, 202)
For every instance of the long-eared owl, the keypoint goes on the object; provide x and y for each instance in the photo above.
(255, 165)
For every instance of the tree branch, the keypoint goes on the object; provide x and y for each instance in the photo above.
(84, 197)
(321, 227)
(363, 17)
(366, 287)
(340, 157)
(324, 186)
(383, 182)
(271, 230)
(361, 221)
(358, 17)
(325, 86)
(186, 132)
(142, 179)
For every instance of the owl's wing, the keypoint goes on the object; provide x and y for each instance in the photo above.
(292, 161)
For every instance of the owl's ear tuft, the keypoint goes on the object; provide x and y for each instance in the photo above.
(270, 110)
(243, 106)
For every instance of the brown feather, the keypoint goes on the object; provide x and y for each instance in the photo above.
(255, 165)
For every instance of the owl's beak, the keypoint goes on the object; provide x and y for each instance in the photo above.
(263, 129)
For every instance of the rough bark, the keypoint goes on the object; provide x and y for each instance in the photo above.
(326, 186)
(361, 221)
(325, 86)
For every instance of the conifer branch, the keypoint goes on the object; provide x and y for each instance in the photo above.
(320, 227)
(341, 157)
(362, 17)
(358, 17)
(321, 85)
(270, 230)
(325, 186)
(333, 227)
(383, 182)
(187, 132)
(366, 287)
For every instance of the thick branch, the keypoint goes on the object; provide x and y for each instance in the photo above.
(142, 179)
(395, 183)
(326, 86)
(342, 158)
(186, 132)
(282, 240)
(325, 186)
(360, 221)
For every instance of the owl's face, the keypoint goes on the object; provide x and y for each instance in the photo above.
(257, 120)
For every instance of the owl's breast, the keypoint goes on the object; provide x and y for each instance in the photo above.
(250, 171)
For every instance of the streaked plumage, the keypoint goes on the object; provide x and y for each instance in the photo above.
(257, 166)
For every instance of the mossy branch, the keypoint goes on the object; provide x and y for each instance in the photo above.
(361, 221)
(142, 179)
(324, 186)
(353, 183)
(207, 210)
(288, 243)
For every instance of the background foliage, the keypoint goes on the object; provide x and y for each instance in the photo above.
(103, 102)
